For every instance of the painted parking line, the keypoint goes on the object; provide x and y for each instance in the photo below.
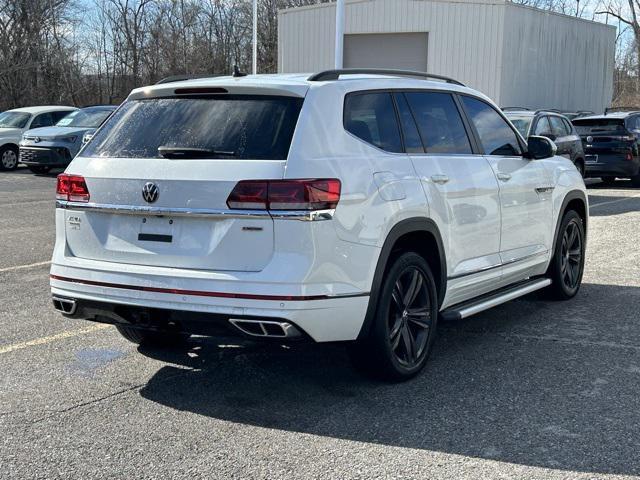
(52, 338)
(22, 267)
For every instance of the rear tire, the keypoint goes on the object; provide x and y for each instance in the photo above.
(399, 342)
(8, 157)
(37, 169)
(567, 265)
(140, 336)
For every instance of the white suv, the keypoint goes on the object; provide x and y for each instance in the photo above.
(354, 206)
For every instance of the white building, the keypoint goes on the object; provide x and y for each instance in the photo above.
(519, 56)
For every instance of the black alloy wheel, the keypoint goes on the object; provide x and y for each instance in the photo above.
(397, 344)
(571, 255)
(409, 320)
(567, 265)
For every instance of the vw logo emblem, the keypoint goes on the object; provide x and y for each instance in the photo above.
(589, 139)
(36, 139)
(150, 192)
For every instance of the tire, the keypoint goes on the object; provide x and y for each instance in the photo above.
(580, 166)
(608, 180)
(399, 342)
(567, 265)
(635, 181)
(8, 157)
(38, 169)
(140, 336)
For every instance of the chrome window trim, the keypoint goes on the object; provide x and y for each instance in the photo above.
(300, 215)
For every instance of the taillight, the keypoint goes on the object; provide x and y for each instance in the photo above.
(72, 188)
(314, 194)
(629, 156)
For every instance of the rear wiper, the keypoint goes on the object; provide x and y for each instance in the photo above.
(188, 152)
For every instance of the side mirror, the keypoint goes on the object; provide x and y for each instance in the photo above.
(539, 148)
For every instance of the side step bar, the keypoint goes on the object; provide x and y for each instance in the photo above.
(477, 305)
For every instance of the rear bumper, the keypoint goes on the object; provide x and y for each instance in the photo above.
(614, 164)
(204, 307)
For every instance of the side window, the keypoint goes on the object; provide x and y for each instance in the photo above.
(57, 116)
(543, 127)
(372, 118)
(439, 122)
(558, 128)
(496, 135)
(633, 123)
(412, 140)
(42, 120)
(568, 126)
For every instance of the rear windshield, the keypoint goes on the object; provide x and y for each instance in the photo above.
(224, 126)
(521, 123)
(599, 125)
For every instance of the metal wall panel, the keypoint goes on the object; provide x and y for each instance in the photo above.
(555, 61)
(465, 36)
(516, 55)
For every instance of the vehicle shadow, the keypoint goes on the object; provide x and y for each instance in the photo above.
(609, 205)
(551, 385)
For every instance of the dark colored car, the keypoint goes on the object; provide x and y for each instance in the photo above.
(555, 127)
(611, 145)
(42, 149)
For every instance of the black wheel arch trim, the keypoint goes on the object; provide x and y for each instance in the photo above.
(569, 197)
(404, 227)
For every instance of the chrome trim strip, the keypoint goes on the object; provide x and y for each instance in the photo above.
(492, 267)
(499, 300)
(301, 215)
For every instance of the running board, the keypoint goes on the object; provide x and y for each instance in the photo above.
(477, 305)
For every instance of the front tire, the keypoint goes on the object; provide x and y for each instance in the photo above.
(567, 265)
(608, 180)
(8, 158)
(39, 169)
(141, 336)
(404, 326)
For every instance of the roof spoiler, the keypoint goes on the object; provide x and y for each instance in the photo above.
(332, 75)
(621, 109)
(182, 78)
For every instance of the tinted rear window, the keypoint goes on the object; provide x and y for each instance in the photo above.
(599, 125)
(243, 127)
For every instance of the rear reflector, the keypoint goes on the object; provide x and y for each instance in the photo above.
(72, 188)
(307, 194)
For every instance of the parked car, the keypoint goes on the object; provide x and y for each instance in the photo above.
(285, 208)
(611, 145)
(13, 123)
(42, 149)
(554, 126)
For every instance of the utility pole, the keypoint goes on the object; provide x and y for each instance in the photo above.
(339, 34)
(255, 37)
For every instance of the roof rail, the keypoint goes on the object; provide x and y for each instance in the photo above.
(621, 109)
(330, 75)
(506, 109)
(182, 78)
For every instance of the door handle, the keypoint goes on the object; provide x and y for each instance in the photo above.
(504, 177)
(439, 179)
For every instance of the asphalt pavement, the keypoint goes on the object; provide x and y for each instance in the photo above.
(529, 390)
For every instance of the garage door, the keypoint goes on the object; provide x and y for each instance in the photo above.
(386, 50)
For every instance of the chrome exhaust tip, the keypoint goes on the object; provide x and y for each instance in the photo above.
(65, 305)
(266, 328)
